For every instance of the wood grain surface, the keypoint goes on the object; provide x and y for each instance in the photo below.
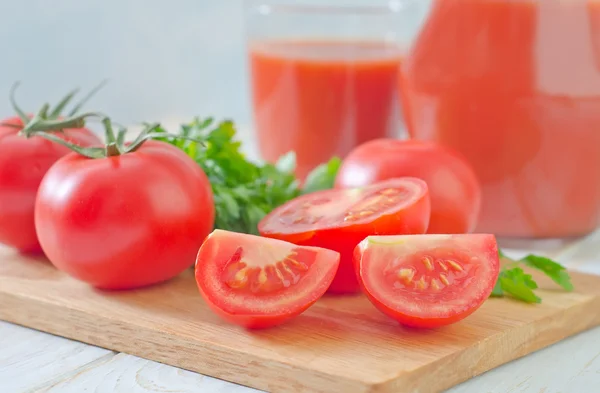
(342, 344)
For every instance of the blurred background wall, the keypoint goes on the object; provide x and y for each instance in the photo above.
(165, 60)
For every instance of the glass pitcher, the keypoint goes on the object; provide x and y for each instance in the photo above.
(514, 85)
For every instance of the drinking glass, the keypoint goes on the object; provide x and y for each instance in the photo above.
(324, 75)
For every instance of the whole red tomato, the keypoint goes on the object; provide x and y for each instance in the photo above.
(454, 189)
(23, 163)
(124, 221)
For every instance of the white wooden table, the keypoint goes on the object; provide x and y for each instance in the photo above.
(32, 361)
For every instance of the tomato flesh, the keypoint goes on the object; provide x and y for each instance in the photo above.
(340, 219)
(427, 280)
(258, 282)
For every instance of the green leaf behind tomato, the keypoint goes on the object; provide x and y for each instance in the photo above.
(518, 284)
(552, 269)
(322, 177)
(497, 291)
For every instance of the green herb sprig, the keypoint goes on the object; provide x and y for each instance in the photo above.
(514, 282)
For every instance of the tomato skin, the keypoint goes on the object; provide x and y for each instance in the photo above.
(259, 311)
(23, 164)
(126, 221)
(344, 239)
(254, 322)
(443, 309)
(454, 188)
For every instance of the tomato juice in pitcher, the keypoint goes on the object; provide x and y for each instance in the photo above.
(515, 87)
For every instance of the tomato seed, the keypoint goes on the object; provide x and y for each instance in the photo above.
(442, 265)
(444, 279)
(262, 277)
(435, 284)
(421, 284)
(289, 260)
(289, 272)
(282, 279)
(406, 275)
(455, 266)
(296, 265)
(428, 262)
(266, 280)
(292, 269)
(239, 280)
(270, 275)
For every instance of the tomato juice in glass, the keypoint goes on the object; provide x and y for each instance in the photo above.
(322, 98)
(324, 75)
(515, 87)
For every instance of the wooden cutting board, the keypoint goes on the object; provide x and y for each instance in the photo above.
(341, 344)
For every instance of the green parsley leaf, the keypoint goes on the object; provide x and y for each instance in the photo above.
(518, 284)
(552, 269)
(513, 281)
(497, 291)
(322, 177)
(287, 162)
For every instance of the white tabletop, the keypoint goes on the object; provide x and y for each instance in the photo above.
(32, 361)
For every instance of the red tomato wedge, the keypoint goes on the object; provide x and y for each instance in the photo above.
(258, 282)
(427, 280)
(340, 219)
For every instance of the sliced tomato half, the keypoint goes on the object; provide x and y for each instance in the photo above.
(258, 282)
(340, 219)
(427, 280)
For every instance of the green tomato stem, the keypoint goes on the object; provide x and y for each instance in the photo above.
(22, 115)
(112, 150)
(110, 134)
(39, 124)
(44, 111)
(89, 152)
(87, 97)
(62, 104)
(47, 125)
